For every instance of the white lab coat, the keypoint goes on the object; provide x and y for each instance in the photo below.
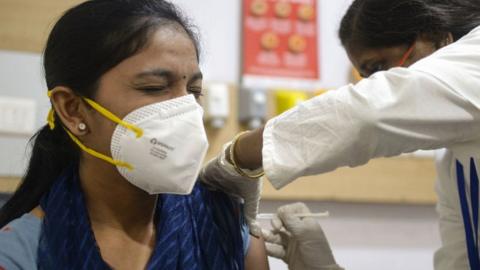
(433, 104)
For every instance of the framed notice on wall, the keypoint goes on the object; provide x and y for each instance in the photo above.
(280, 39)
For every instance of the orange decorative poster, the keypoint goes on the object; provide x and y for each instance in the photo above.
(280, 38)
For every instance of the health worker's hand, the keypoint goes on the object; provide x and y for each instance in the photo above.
(299, 242)
(221, 175)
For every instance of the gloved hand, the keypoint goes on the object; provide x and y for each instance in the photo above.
(221, 175)
(299, 242)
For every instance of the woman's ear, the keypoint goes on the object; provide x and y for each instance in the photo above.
(70, 109)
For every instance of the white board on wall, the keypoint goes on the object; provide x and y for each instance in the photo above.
(17, 116)
(24, 95)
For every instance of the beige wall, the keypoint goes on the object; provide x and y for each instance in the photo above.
(25, 24)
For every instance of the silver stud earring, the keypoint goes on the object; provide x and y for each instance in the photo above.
(82, 127)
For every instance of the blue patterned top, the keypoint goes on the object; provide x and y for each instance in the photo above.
(197, 231)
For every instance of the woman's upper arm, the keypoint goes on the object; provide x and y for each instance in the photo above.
(19, 242)
(15, 252)
(256, 258)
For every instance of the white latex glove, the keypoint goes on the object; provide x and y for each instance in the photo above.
(299, 242)
(221, 175)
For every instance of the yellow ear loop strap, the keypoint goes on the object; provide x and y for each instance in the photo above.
(107, 114)
(51, 119)
(98, 155)
(114, 118)
(138, 131)
(51, 114)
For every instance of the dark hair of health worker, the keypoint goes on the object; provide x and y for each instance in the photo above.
(386, 23)
(85, 43)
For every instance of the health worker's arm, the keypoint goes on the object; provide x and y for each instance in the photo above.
(433, 104)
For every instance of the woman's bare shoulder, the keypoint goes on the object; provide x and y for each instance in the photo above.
(257, 255)
(38, 212)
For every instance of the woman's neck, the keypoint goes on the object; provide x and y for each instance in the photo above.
(121, 215)
(112, 201)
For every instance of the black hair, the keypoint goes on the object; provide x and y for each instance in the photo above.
(387, 23)
(86, 42)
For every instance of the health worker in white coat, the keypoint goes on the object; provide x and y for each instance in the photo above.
(421, 63)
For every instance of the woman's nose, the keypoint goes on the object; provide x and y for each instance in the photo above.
(180, 91)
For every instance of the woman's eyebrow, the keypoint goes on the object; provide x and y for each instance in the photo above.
(196, 76)
(163, 73)
(155, 73)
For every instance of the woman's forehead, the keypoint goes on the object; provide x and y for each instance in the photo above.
(168, 49)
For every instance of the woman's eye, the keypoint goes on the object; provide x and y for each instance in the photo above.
(152, 88)
(196, 91)
(376, 68)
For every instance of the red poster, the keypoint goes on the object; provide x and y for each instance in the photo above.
(280, 38)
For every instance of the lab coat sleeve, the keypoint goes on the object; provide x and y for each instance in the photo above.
(433, 104)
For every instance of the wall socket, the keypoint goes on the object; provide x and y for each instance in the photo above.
(17, 116)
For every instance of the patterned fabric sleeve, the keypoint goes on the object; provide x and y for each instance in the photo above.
(245, 233)
(232, 213)
(18, 243)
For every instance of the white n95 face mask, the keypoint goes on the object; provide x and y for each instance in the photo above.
(168, 156)
(159, 147)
